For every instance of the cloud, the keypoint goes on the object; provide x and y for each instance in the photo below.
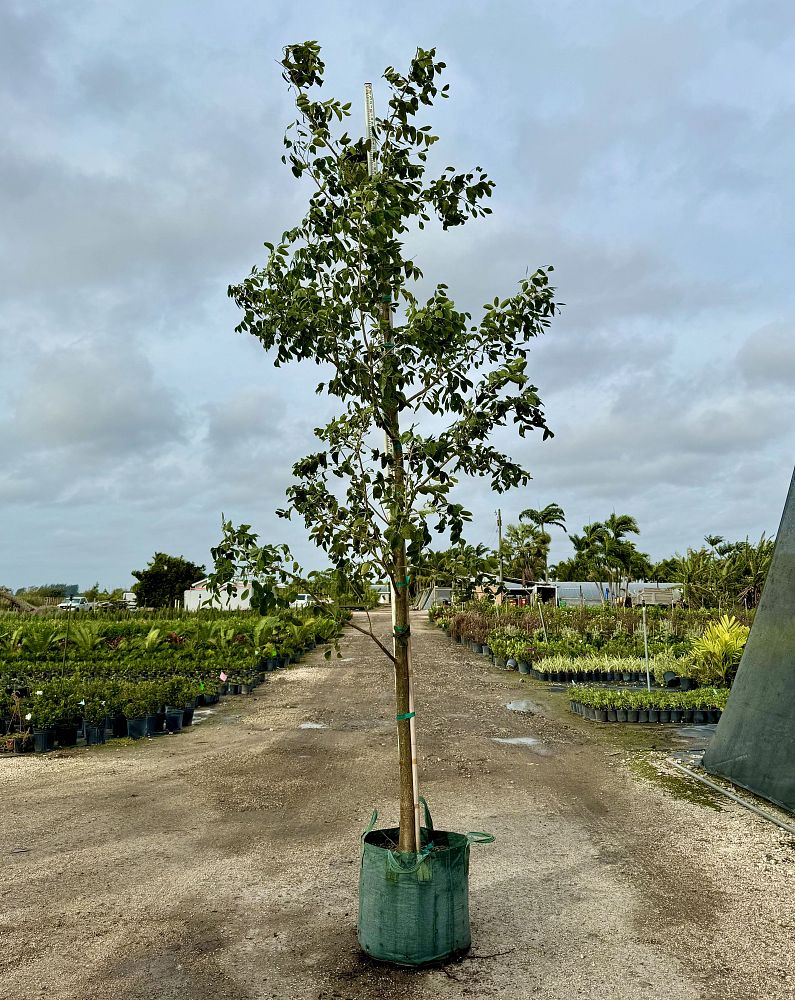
(645, 153)
(767, 358)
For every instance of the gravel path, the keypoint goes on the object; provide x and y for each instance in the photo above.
(223, 863)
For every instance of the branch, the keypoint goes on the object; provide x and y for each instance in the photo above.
(369, 632)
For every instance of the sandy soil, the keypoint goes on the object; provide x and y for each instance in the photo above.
(223, 863)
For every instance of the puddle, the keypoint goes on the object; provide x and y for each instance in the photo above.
(200, 714)
(523, 705)
(702, 733)
(313, 725)
(524, 741)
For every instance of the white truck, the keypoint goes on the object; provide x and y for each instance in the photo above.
(73, 604)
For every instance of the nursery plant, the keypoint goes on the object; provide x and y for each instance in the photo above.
(420, 385)
(718, 651)
(339, 289)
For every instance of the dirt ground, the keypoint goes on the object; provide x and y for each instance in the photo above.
(223, 862)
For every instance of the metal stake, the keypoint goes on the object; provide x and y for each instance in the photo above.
(646, 649)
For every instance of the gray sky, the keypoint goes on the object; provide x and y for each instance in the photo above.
(645, 150)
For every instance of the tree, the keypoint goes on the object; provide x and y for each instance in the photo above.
(165, 580)
(551, 515)
(604, 555)
(524, 552)
(725, 574)
(420, 386)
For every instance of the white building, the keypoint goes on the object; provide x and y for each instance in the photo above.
(198, 596)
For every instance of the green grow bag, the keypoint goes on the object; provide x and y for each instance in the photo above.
(414, 908)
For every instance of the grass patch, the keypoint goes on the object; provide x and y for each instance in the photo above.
(679, 787)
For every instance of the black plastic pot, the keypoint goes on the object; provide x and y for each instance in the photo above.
(43, 740)
(153, 723)
(136, 728)
(187, 716)
(234, 689)
(654, 715)
(601, 714)
(524, 668)
(621, 715)
(174, 719)
(611, 715)
(499, 661)
(95, 735)
(66, 734)
(119, 725)
(665, 715)
(643, 715)
(632, 715)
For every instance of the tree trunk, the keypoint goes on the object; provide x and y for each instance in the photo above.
(401, 643)
(403, 700)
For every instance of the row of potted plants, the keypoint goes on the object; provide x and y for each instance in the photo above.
(507, 652)
(123, 690)
(32, 641)
(709, 659)
(607, 629)
(605, 705)
(61, 713)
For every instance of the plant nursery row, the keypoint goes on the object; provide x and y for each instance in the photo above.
(56, 683)
(683, 707)
(607, 644)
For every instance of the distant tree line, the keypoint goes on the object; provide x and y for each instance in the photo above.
(719, 574)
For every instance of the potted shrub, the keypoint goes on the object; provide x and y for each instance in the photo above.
(42, 714)
(94, 713)
(137, 706)
(192, 690)
(620, 701)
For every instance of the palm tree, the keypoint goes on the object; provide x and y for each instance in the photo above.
(551, 515)
(619, 552)
(750, 564)
(589, 549)
(525, 548)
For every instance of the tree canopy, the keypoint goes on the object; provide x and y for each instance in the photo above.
(421, 386)
(165, 580)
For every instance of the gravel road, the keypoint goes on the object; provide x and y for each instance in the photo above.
(223, 863)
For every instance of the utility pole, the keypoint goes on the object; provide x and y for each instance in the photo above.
(409, 837)
(499, 542)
